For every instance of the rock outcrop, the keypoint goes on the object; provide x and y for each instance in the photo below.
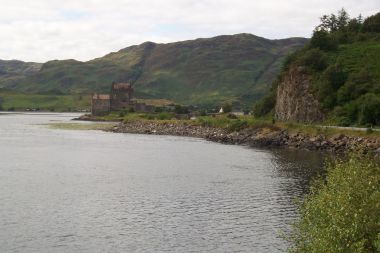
(295, 102)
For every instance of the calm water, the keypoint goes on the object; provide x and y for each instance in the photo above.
(91, 191)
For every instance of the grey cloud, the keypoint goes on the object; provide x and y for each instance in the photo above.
(42, 30)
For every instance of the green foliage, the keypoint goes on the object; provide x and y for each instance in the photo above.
(342, 213)
(323, 40)
(342, 60)
(372, 24)
(349, 87)
(158, 116)
(333, 23)
(265, 106)
(369, 109)
(357, 84)
(315, 59)
(327, 86)
(227, 107)
(179, 109)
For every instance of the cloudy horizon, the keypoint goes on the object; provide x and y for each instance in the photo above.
(43, 30)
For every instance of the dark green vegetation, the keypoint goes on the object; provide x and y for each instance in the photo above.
(342, 212)
(238, 69)
(342, 58)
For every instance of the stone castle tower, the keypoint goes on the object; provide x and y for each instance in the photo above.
(120, 98)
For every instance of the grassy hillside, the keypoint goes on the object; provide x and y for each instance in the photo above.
(12, 71)
(10, 100)
(342, 59)
(238, 68)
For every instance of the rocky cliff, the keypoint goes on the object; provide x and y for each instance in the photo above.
(295, 102)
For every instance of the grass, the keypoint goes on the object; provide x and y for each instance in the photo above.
(223, 121)
(237, 123)
(21, 101)
(80, 126)
(326, 131)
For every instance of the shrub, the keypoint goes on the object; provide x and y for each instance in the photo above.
(332, 79)
(357, 84)
(342, 213)
(202, 113)
(369, 109)
(164, 116)
(178, 109)
(347, 114)
(314, 59)
(227, 107)
(323, 40)
(266, 105)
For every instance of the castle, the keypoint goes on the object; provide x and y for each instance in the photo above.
(120, 98)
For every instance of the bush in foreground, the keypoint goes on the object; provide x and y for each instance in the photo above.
(342, 213)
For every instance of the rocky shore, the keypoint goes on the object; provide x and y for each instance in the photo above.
(268, 136)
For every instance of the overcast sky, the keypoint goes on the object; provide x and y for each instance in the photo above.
(42, 30)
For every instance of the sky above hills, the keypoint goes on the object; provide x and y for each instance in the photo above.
(42, 30)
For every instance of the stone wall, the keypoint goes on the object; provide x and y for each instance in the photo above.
(121, 96)
(100, 107)
(295, 102)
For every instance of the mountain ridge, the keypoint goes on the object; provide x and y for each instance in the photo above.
(201, 71)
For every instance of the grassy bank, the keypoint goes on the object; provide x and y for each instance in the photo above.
(342, 212)
(236, 123)
(223, 121)
(79, 126)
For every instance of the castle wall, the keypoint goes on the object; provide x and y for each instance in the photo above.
(121, 96)
(100, 106)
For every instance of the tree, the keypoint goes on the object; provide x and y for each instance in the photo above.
(357, 85)
(323, 40)
(343, 19)
(314, 59)
(332, 79)
(266, 105)
(332, 23)
(227, 107)
(372, 24)
(178, 109)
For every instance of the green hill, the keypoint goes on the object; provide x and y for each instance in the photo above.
(341, 66)
(13, 70)
(238, 68)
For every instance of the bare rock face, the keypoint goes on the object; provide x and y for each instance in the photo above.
(295, 102)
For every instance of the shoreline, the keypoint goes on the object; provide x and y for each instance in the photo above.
(256, 136)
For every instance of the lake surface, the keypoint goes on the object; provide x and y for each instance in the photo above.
(92, 191)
